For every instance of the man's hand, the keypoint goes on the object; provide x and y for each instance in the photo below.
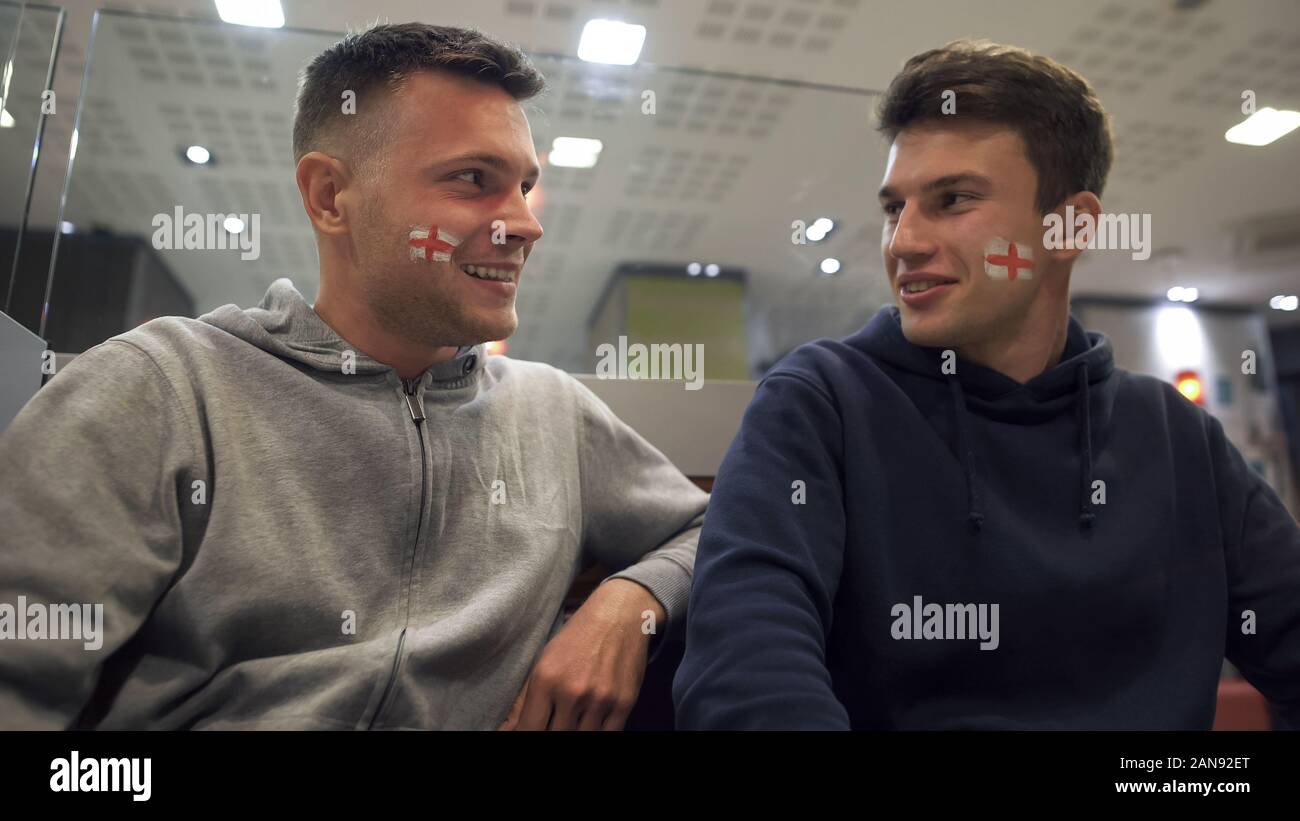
(589, 675)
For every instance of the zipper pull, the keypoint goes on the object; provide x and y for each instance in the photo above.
(413, 403)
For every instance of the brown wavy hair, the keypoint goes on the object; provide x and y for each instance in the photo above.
(1066, 132)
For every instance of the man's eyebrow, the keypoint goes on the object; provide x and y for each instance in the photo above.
(491, 160)
(949, 181)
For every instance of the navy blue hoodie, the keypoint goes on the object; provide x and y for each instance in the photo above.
(872, 510)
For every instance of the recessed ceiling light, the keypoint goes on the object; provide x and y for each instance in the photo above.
(197, 154)
(611, 41)
(234, 225)
(712, 269)
(574, 152)
(261, 13)
(693, 269)
(830, 266)
(819, 229)
(1263, 127)
(1288, 302)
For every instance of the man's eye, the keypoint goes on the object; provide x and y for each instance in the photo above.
(890, 208)
(476, 173)
(526, 188)
(949, 199)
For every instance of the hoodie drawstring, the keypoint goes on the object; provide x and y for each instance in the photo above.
(1084, 415)
(967, 457)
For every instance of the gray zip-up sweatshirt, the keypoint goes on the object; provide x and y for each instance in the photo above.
(279, 542)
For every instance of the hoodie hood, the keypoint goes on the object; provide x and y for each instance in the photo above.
(1086, 361)
(998, 394)
(285, 325)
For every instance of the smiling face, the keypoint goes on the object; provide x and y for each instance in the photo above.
(455, 172)
(952, 194)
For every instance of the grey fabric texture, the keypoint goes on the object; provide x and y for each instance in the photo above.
(277, 543)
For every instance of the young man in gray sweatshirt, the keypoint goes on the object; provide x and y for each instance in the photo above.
(346, 515)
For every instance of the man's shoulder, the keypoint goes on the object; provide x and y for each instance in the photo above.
(169, 337)
(188, 355)
(161, 341)
(537, 379)
(1153, 392)
(1158, 399)
(826, 365)
(523, 368)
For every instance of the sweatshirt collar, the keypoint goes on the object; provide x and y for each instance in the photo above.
(458, 371)
(883, 337)
(286, 325)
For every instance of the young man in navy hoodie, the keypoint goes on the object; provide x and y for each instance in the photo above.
(964, 516)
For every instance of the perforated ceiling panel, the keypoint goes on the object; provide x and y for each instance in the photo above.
(724, 165)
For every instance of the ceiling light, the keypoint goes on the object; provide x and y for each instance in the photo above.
(611, 41)
(1263, 127)
(261, 13)
(574, 152)
(819, 229)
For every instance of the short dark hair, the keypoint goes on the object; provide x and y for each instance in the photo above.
(380, 59)
(1067, 133)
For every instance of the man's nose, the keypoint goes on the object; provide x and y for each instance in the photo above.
(521, 224)
(912, 236)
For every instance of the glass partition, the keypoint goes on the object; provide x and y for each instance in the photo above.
(699, 174)
(29, 40)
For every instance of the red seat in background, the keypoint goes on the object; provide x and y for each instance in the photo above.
(1241, 707)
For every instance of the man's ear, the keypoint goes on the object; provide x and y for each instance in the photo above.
(1071, 227)
(323, 182)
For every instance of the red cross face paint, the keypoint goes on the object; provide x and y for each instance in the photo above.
(1005, 259)
(432, 244)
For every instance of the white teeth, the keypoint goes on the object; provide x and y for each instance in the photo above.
(484, 272)
(918, 287)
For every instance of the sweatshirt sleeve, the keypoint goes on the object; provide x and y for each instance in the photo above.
(90, 471)
(640, 515)
(1262, 552)
(768, 568)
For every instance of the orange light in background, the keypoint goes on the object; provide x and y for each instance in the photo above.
(495, 348)
(1189, 385)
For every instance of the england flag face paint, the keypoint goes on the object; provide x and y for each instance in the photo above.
(1005, 259)
(431, 243)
